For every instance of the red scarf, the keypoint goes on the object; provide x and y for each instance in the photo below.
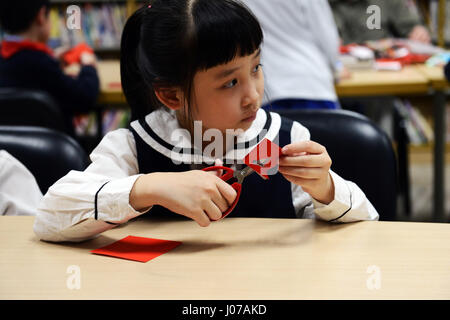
(9, 48)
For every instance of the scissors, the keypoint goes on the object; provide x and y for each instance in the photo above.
(239, 175)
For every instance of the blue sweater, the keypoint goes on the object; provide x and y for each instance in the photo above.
(37, 70)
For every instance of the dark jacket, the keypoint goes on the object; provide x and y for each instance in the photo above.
(37, 70)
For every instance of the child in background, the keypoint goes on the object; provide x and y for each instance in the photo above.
(27, 62)
(183, 62)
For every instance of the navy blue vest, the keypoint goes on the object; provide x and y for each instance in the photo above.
(261, 198)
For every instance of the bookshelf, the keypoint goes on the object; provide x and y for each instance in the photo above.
(101, 24)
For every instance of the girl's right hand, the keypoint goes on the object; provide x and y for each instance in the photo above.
(196, 194)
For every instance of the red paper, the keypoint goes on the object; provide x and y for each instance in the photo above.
(267, 152)
(137, 248)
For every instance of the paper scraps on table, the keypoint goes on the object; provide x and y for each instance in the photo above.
(137, 248)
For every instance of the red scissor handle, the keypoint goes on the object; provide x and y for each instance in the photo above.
(228, 174)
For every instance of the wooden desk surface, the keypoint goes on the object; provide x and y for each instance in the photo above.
(371, 83)
(435, 75)
(236, 258)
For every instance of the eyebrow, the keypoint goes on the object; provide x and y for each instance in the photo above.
(226, 73)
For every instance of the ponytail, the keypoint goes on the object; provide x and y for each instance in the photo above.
(138, 92)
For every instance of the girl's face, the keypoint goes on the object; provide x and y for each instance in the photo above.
(228, 96)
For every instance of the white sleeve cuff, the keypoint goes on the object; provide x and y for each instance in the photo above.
(341, 204)
(113, 201)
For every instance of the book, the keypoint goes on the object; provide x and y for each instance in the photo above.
(101, 26)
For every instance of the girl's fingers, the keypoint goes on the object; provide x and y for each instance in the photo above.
(310, 161)
(227, 192)
(303, 146)
(212, 211)
(306, 184)
(201, 218)
(306, 173)
(220, 202)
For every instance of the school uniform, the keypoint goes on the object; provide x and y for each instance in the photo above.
(31, 65)
(83, 204)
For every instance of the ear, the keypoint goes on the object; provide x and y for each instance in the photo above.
(170, 97)
(41, 17)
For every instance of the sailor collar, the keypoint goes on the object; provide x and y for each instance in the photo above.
(161, 131)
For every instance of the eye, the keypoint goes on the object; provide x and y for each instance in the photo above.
(231, 84)
(256, 69)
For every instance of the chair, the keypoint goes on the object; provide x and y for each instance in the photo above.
(47, 153)
(29, 107)
(360, 151)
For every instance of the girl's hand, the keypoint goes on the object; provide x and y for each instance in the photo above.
(307, 164)
(196, 194)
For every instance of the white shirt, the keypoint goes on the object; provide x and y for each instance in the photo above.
(300, 48)
(19, 191)
(67, 210)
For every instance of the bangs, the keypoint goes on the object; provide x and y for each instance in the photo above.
(222, 31)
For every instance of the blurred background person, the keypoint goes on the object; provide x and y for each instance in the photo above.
(299, 53)
(398, 19)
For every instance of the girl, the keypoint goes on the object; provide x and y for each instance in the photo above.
(184, 61)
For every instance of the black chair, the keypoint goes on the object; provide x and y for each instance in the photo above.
(27, 107)
(360, 151)
(47, 153)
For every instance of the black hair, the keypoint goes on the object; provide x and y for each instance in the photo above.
(17, 15)
(165, 43)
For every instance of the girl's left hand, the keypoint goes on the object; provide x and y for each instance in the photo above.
(307, 164)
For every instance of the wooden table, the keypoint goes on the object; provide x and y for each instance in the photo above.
(237, 258)
(381, 83)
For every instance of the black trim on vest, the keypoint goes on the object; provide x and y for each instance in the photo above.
(162, 142)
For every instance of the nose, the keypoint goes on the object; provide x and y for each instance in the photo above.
(251, 96)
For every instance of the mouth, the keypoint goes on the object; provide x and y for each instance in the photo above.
(250, 118)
